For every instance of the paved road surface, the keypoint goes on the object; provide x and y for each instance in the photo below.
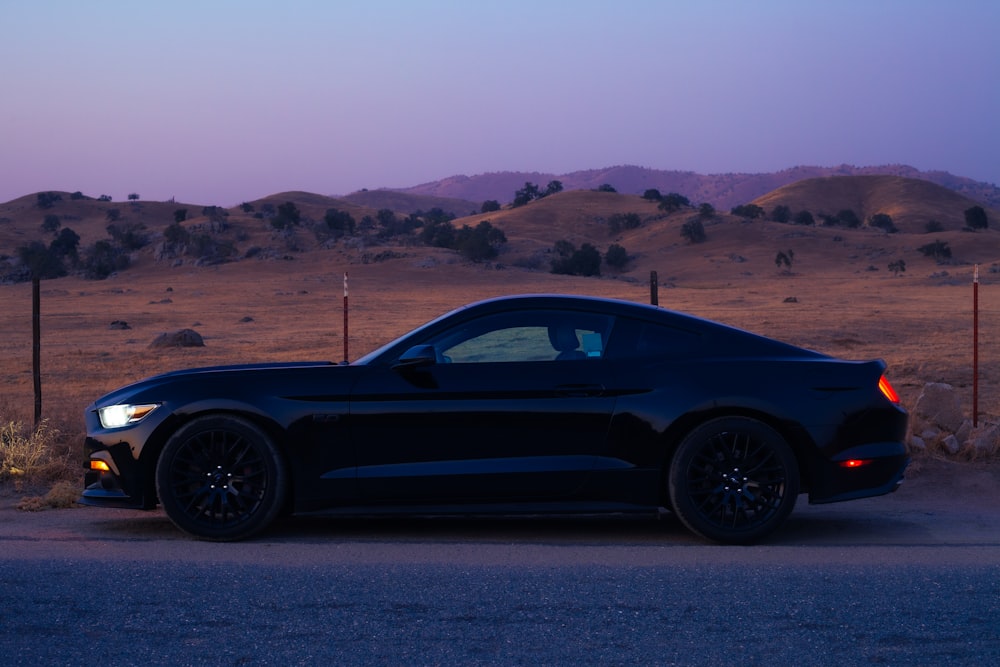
(912, 578)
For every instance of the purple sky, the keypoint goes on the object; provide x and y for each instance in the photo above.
(224, 101)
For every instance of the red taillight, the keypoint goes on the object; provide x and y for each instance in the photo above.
(887, 390)
(854, 463)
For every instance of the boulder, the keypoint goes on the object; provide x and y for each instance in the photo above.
(180, 338)
(938, 404)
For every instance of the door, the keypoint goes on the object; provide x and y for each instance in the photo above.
(504, 407)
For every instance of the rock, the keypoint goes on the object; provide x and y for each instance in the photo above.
(964, 431)
(917, 444)
(984, 441)
(951, 444)
(181, 338)
(938, 404)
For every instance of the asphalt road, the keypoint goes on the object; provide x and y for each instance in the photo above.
(912, 578)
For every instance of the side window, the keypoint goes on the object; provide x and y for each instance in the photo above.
(542, 336)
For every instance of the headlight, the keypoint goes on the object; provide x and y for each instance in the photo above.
(116, 416)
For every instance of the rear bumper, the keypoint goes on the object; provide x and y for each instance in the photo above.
(873, 469)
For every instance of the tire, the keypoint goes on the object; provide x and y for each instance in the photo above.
(733, 480)
(221, 478)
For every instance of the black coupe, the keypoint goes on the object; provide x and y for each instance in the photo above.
(537, 403)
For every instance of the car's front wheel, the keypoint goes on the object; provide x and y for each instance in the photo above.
(221, 478)
(733, 480)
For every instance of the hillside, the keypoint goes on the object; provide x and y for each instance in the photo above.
(911, 203)
(723, 191)
(734, 249)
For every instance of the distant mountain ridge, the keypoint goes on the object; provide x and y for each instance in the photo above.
(723, 191)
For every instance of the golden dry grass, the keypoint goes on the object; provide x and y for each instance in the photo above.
(839, 297)
(273, 311)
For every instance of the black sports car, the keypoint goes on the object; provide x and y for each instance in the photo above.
(555, 404)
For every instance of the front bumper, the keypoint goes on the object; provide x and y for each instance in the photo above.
(124, 486)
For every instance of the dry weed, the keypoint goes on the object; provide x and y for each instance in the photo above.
(60, 496)
(23, 451)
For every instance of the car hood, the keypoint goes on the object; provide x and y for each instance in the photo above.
(149, 386)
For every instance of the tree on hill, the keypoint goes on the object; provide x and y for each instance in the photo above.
(619, 221)
(51, 224)
(784, 259)
(975, 218)
(287, 216)
(748, 211)
(337, 224)
(882, 221)
(47, 199)
(479, 243)
(938, 251)
(64, 246)
(103, 258)
(848, 218)
(569, 260)
(616, 257)
(781, 213)
(552, 188)
(673, 202)
(804, 218)
(134, 196)
(528, 193)
(693, 231)
(652, 194)
(40, 262)
(897, 267)
(606, 187)
(128, 236)
(706, 211)
(489, 206)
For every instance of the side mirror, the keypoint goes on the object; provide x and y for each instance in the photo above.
(417, 356)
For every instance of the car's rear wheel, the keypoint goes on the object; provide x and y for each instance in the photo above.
(221, 478)
(733, 480)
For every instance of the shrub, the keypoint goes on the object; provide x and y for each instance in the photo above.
(23, 451)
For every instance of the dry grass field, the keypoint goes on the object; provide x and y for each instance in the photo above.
(274, 311)
(839, 297)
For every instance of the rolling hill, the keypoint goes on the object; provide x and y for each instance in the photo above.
(723, 191)
(735, 249)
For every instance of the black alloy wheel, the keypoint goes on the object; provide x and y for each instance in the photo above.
(733, 480)
(221, 478)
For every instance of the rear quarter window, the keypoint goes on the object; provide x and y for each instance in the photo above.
(638, 339)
